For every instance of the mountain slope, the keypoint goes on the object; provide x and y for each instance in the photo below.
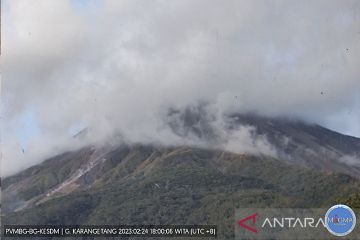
(307, 144)
(293, 141)
(181, 185)
(152, 184)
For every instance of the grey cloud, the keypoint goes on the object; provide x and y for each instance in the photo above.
(119, 65)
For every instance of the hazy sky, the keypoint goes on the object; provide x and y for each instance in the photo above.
(120, 65)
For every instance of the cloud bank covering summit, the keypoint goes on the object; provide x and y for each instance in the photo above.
(121, 66)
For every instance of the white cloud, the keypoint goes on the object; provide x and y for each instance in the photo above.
(119, 64)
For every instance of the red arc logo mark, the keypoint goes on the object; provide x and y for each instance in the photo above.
(251, 217)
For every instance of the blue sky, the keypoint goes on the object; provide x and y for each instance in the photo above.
(27, 128)
(83, 5)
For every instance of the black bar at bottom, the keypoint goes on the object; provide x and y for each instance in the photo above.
(208, 231)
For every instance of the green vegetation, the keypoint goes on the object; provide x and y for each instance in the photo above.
(352, 201)
(184, 186)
